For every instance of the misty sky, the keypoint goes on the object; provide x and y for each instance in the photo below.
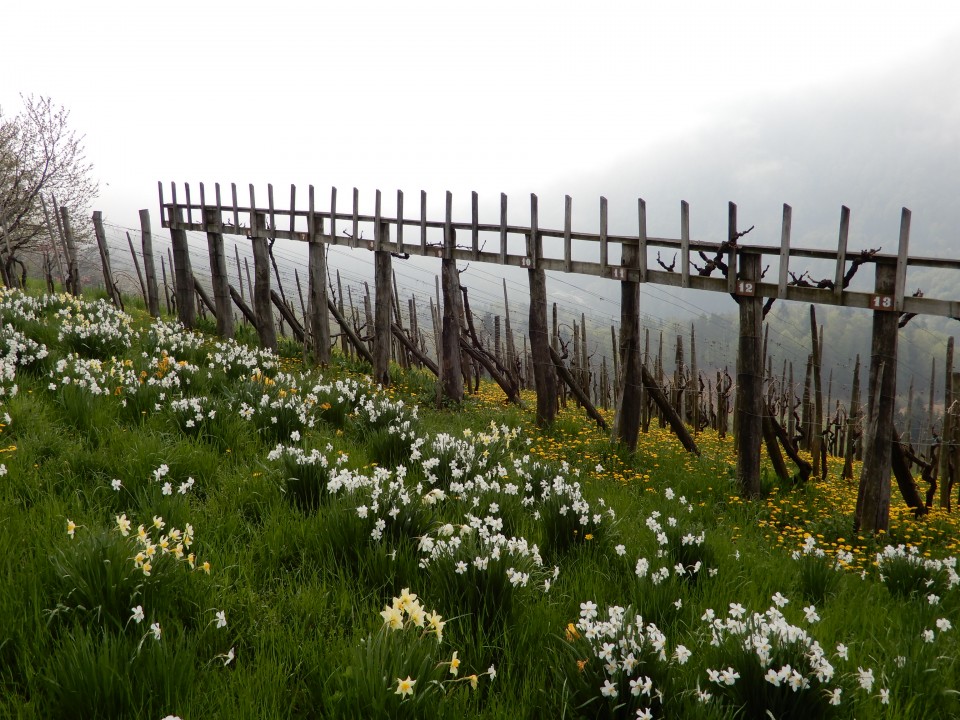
(494, 96)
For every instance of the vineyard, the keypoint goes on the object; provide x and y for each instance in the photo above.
(195, 527)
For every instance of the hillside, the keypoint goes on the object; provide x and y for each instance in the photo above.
(196, 528)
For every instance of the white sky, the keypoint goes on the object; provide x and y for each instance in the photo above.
(491, 96)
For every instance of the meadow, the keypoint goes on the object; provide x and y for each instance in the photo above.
(195, 528)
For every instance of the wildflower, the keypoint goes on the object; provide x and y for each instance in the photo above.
(392, 617)
(123, 524)
(473, 681)
(221, 619)
(644, 714)
(588, 610)
(779, 600)
(167, 489)
(609, 689)
(492, 672)
(682, 654)
(147, 568)
(943, 625)
(900, 661)
(206, 566)
(158, 522)
(835, 696)
(71, 528)
(736, 610)
(865, 678)
(729, 676)
(405, 687)
(621, 550)
(227, 657)
(884, 696)
(454, 664)
(116, 484)
(772, 677)
(927, 636)
(842, 651)
(811, 613)
(155, 629)
(933, 599)
(137, 616)
(436, 624)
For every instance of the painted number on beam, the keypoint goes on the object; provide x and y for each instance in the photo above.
(618, 273)
(746, 287)
(881, 302)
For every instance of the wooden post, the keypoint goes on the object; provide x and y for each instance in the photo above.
(183, 272)
(101, 236)
(136, 266)
(946, 431)
(749, 400)
(149, 267)
(873, 495)
(319, 321)
(166, 286)
(73, 276)
(383, 281)
(853, 437)
(816, 415)
(695, 380)
(626, 424)
(451, 374)
(544, 373)
(262, 305)
(218, 272)
(54, 244)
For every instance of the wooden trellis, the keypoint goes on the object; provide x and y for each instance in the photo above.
(402, 235)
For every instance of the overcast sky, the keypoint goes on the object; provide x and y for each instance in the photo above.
(493, 96)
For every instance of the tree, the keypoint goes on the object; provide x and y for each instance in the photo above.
(41, 159)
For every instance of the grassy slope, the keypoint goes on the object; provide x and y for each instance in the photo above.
(301, 586)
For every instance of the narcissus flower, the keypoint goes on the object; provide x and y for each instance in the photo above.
(405, 687)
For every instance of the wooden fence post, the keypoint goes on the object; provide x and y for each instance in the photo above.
(182, 271)
(626, 424)
(319, 321)
(946, 429)
(262, 305)
(451, 375)
(149, 268)
(218, 272)
(749, 398)
(544, 373)
(873, 495)
(383, 288)
(73, 275)
(136, 266)
(101, 236)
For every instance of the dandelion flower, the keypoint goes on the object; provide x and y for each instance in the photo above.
(405, 687)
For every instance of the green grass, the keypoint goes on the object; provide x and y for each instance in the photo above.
(301, 506)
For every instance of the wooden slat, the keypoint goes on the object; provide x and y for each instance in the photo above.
(333, 215)
(567, 221)
(216, 189)
(400, 248)
(732, 253)
(186, 190)
(448, 226)
(423, 222)
(203, 197)
(293, 206)
(474, 221)
(784, 250)
(684, 244)
(273, 215)
(902, 249)
(842, 252)
(534, 235)
(356, 215)
(503, 228)
(236, 213)
(311, 216)
(377, 229)
(160, 191)
(642, 239)
(603, 236)
(253, 211)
